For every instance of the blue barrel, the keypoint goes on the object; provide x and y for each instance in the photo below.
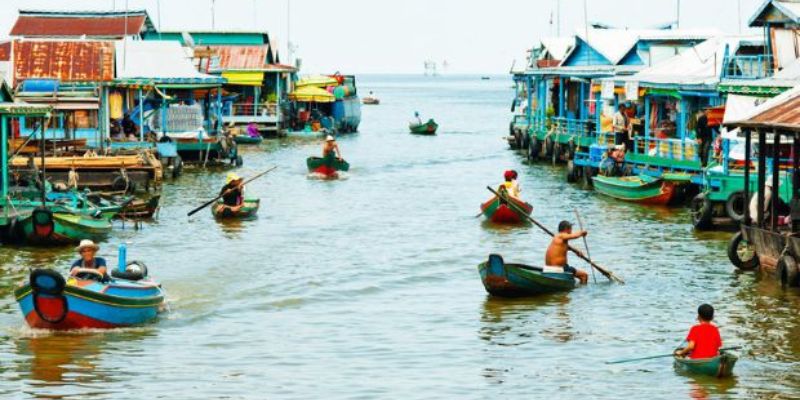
(40, 85)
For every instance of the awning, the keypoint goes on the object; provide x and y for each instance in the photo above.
(316, 81)
(312, 94)
(244, 78)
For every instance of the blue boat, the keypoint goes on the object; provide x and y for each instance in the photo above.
(49, 301)
(518, 280)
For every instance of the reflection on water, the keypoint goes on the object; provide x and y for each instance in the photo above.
(367, 287)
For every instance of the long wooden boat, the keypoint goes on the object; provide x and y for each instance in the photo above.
(246, 139)
(518, 280)
(53, 226)
(720, 366)
(641, 189)
(328, 166)
(48, 301)
(428, 128)
(498, 211)
(249, 210)
(371, 101)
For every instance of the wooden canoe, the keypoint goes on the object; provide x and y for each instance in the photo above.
(245, 139)
(518, 280)
(328, 166)
(499, 212)
(720, 366)
(249, 210)
(45, 226)
(428, 128)
(641, 189)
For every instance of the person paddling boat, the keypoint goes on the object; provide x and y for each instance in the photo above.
(232, 194)
(556, 255)
(703, 340)
(330, 147)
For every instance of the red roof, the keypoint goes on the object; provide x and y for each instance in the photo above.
(238, 57)
(33, 26)
(67, 61)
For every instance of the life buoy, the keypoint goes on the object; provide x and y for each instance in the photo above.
(734, 206)
(735, 257)
(787, 271)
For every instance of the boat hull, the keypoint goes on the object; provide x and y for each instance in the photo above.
(636, 189)
(517, 280)
(328, 166)
(81, 304)
(428, 128)
(719, 367)
(61, 228)
(249, 210)
(499, 212)
(243, 139)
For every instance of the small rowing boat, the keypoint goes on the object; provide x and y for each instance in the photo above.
(57, 226)
(371, 101)
(498, 211)
(428, 128)
(720, 366)
(248, 210)
(518, 280)
(48, 301)
(328, 166)
(640, 189)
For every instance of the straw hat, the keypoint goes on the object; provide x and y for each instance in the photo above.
(232, 177)
(87, 243)
(329, 138)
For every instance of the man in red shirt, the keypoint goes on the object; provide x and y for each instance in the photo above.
(703, 340)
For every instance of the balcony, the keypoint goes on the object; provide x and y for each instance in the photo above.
(748, 67)
(243, 113)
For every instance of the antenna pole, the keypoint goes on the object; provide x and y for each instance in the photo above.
(158, 10)
(558, 20)
(739, 14)
(213, 22)
(678, 23)
(289, 31)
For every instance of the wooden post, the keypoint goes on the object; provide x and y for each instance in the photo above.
(776, 175)
(747, 143)
(762, 172)
(4, 159)
(141, 116)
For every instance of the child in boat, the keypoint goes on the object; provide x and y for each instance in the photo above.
(511, 185)
(703, 340)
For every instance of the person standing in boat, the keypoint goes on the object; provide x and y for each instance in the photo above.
(331, 146)
(87, 250)
(417, 120)
(556, 255)
(703, 340)
(232, 194)
(511, 186)
(620, 126)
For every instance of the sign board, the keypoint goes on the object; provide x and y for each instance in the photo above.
(632, 91)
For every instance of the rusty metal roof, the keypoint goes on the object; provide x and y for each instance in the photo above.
(66, 25)
(67, 61)
(237, 57)
(5, 51)
(781, 112)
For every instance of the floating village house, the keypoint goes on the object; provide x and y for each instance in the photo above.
(257, 84)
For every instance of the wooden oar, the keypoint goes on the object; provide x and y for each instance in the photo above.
(210, 202)
(585, 242)
(663, 356)
(608, 274)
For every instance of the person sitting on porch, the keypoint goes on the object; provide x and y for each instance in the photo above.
(129, 127)
(620, 125)
(252, 130)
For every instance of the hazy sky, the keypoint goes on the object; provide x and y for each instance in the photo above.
(358, 36)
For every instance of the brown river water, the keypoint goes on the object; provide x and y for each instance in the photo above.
(367, 287)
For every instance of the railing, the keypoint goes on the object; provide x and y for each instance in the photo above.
(573, 127)
(520, 120)
(748, 67)
(675, 149)
(249, 109)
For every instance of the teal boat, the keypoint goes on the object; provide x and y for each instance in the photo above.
(720, 366)
(248, 211)
(518, 280)
(328, 166)
(428, 128)
(642, 189)
(245, 139)
(51, 226)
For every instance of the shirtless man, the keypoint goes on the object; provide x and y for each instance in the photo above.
(330, 146)
(557, 252)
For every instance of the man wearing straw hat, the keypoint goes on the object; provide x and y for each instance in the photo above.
(87, 250)
(330, 146)
(232, 193)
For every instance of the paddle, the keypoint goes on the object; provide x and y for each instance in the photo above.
(210, 202)
(608, 274)
(663, 356)
(585, 242)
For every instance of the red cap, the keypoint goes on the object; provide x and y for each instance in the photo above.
(509, 175)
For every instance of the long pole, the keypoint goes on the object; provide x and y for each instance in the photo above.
(664, 356)
(585, 242)
(213, 26)
(739, 14)
(558, 17)
(208, 203)
(289, 31)
(608, 274)
(158, 10)
(678, 20)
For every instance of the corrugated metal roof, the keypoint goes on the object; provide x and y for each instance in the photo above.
(58, 25)
(614, 44)
(238, 57)
(5, 51)
(67, 61)
(782, 111)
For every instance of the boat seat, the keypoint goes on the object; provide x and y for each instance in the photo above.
(549, 269)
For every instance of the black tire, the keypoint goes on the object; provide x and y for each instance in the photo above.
(119, 184)
(571, 174)
(735, 205)
(517, 140)
(129, 274)
(787, 271)
(555, 153)
(735, 252)
(571, 149)
(534, 149)
(548, 147)
(702, 212)
(525, 141)
(239, 161)
(177, 166)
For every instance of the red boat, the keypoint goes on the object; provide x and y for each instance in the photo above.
(498, 211)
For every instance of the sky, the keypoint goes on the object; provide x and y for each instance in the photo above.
(398, 36)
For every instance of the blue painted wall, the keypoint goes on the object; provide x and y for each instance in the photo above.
(585, 55)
